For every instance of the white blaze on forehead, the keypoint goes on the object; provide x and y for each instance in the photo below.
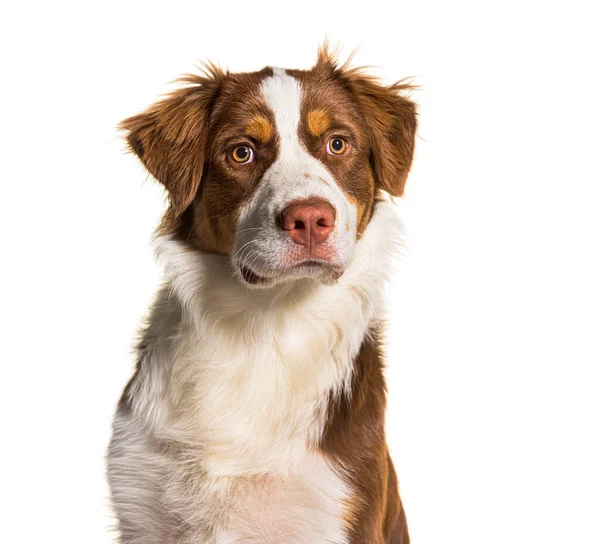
(283, 94)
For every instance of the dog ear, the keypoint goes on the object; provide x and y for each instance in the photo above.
(392, 121)
(391, 118)
(170, 138)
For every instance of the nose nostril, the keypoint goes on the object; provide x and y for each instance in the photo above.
(308, 223)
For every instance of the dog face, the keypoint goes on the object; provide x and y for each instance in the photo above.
(277, 169)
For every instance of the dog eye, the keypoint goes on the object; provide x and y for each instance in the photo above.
(337, 146)
(242, 154)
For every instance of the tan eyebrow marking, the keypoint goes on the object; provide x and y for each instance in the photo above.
(318, 122)
(260, 128)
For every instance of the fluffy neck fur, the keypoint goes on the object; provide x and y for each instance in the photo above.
(246, 375)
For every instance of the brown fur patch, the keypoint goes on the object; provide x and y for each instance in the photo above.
(185, 142)
(354, 439)
(317, 122)
(170, 139)
(260, 129)
(390, 117)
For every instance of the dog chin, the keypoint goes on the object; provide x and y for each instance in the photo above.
(324, 273)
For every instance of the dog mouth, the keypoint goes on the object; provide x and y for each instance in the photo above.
(302, 269)
(251, 277)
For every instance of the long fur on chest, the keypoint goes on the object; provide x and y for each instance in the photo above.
(233, 401)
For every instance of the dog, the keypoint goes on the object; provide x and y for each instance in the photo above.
(256, 410)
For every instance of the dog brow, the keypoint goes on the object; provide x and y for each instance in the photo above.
(318, 122)
(260, 128)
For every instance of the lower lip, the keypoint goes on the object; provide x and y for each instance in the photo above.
(309, 264)
(313, 264)
(254, 279)
(249, 276)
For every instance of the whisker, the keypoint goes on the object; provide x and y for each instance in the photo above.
(241, 249)
(249, 229)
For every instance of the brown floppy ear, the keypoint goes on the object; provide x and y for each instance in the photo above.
(170, 139)
(392, 121)
(391, 118)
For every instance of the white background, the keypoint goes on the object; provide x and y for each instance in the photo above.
(495, 316)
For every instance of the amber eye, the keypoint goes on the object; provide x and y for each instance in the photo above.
(242, 154)
(337, 146)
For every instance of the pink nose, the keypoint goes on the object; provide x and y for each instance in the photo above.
(308, 222)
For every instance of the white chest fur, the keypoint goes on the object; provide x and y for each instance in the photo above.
(306, 506)
(248, 393)
(244, 386)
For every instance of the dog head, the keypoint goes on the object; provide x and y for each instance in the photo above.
(277, 169)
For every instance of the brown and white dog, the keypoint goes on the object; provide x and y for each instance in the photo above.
(256, 412)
